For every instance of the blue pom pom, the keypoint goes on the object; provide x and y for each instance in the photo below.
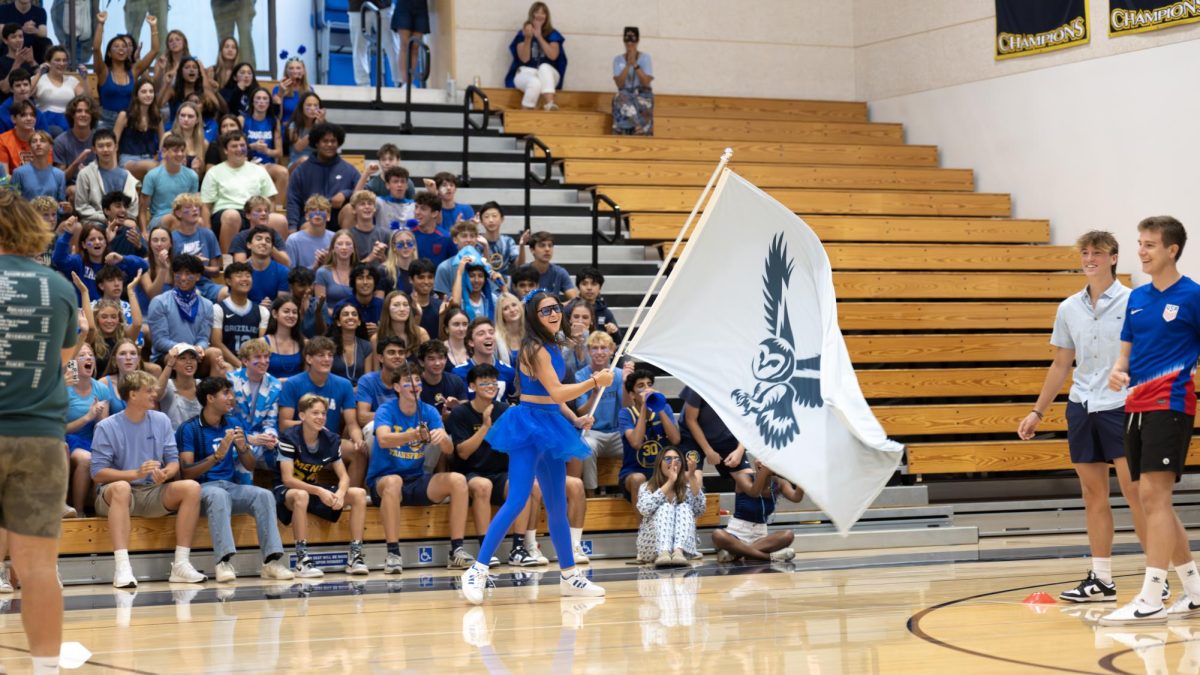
(302, 50)
(283, 55)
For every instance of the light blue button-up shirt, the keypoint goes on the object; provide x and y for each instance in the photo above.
(1094, 332)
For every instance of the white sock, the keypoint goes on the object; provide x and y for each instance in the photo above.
(1190, 578)
(576, 535)
(1152, 587)
(530, 538)
(44, 665)
(182, 553)
(1102, 568)
(121, 557)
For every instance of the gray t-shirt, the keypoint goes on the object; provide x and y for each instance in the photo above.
(67, 148)
(37, 321)
(302, 247)
(179, 409)
(365, 241)
(119, 443)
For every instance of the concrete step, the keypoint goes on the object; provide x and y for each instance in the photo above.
(506, 170)
(862, 539)
(567, 255)
(368, 143)
(449, 119)
(890, 497)
(1056, 516)
(516, 197)
(344, 94)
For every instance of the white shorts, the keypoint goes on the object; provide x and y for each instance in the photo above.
(745, 530)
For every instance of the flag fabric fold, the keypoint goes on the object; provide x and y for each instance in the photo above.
(748, 320)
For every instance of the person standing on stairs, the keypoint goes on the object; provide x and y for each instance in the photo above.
(1087, 332)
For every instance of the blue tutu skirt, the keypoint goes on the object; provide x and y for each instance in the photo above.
(540, 427)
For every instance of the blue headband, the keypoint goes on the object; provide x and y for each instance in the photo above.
(530, 294)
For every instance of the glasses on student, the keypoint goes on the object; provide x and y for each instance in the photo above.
(406, 243)
(551, 310)
(631, 38)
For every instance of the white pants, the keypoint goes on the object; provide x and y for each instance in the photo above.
(602, 444)
(358, 42)
(535, 82)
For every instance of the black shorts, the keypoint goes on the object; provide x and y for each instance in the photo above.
(1157, 441)
(411, 15)
(415, 491)
(315, 506)
(1097, 437)
(690, 447)
(215, 220)
(499, 484)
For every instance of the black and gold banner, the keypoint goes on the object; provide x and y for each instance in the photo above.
(1026, 27)
(1139, 16)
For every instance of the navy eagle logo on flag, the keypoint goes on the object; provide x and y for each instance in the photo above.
(784, 381)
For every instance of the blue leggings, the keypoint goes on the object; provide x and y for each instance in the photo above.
(523, 465)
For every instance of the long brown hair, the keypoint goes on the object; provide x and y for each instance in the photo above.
(138, 111)
(548, 27)
(113, 368)
(410, 332)
(536, 335)
(659, 479)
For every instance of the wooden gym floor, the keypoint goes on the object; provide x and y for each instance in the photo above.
(952, 609)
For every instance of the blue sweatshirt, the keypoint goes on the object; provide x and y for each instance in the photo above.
(314, 178)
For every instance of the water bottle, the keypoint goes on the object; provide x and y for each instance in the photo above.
(451, 89)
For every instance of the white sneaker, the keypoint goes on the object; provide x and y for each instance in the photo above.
(357, 566)
(1137, 613)
(276, 570)
(1184, 608)
(461, 560)
(123, 577)
(579, 586)
(550, 106)
(306, 570)
(783, 555)
(69, 512)
(225, 573)
(184, 573)
(5, 583)
(535, 552)
(393, 564)
(724, 556)
(580, 557)
(474, 583)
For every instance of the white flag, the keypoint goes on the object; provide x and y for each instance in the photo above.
(748, 320)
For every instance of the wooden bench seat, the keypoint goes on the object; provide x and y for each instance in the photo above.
(709, 150)
(958, 285)
(890, 229)
(677, 105)
(568, 123)
(973, 315)
(947, 382)
(825, 202)
(1014, 455)
(942, 348)
(980, 418)
(973, 257)
(90, 535)
(696, 174)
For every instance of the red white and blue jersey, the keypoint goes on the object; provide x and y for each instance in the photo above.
(1164, 329)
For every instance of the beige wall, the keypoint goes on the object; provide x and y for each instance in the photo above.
(908, 46)
(768, 48)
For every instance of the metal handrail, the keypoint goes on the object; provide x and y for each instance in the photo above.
(469, 125)
(530, 176)
(380, 37)
(597, 235)
(406, 127)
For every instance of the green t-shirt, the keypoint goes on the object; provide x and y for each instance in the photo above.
(37, 321)
(228, 188)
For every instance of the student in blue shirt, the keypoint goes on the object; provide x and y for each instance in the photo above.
(167, 181)
(551, 277)
(433, 242)
(481, 343)
(452, 212)
(646, 427)
(604, 436)
(341, 418)
(405, 429)
(270, 277)
(189, 237)
(210, 446)
(38, 176)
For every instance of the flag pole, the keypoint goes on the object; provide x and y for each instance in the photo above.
(639, 313)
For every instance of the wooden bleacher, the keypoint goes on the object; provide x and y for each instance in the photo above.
(83, 536)
(946, 299)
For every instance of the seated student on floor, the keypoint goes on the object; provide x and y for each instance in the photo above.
(647, 427)
(746, 535)
(210, 446)
(669, 504)
(341, 417)
(134, 464)
(485, 469)
(304, 451)
(405, 430)
(257, 395)
(604, 436)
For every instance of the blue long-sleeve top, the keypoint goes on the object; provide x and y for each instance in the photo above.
(66, 262)
(168, 328)
(315, 178)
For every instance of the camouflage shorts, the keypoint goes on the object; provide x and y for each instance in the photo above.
(33, 485)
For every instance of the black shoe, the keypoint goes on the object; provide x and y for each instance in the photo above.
(1091, 589)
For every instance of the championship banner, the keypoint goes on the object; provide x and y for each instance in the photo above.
(1026, 27)
(748, 320)
(1138, 16)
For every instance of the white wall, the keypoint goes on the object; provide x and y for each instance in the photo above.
(1096, 144)
(769, 48)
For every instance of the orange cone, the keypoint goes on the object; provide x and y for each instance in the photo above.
(1039, 599)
